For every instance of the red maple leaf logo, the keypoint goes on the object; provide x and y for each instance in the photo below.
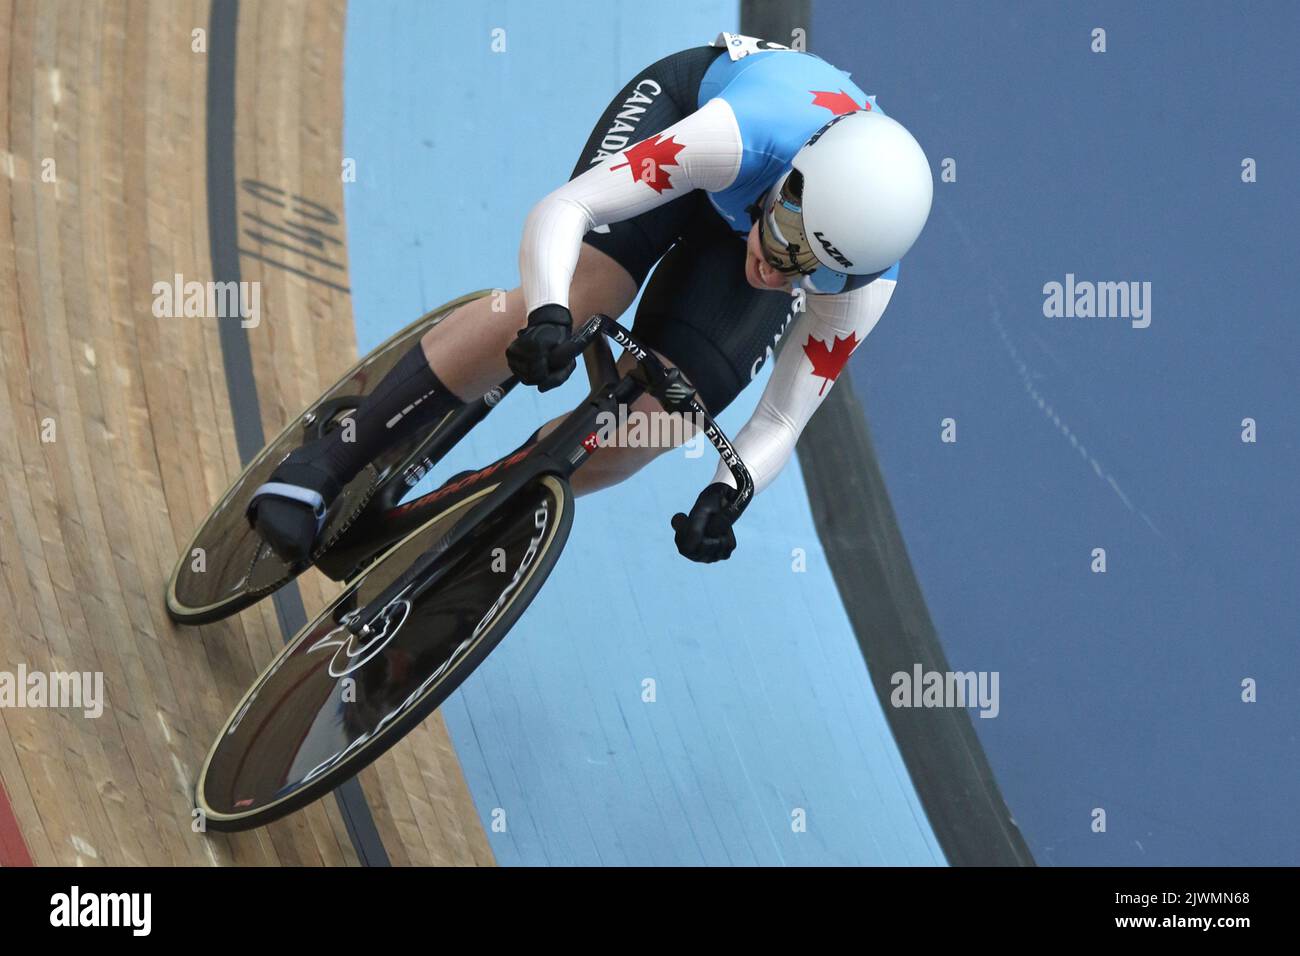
(829, 362)
(647, 159)
(838, 103)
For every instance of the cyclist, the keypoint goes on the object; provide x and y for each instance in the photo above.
(769, 189)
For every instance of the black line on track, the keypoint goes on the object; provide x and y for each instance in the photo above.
(223, 239)
(868, 559)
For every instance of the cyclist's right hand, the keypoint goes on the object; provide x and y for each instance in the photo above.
(531, 354)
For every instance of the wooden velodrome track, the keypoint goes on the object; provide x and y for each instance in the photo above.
(104, 191)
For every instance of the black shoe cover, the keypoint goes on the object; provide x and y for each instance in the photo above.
(290, 526)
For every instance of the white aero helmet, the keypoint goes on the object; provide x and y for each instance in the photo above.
(856, 197)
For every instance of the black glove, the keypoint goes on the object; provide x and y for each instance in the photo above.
(706, 536)
(530, 354)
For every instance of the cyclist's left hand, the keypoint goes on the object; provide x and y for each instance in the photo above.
(706, 535)
(531, 356)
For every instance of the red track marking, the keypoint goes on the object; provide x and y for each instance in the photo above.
(13, 849)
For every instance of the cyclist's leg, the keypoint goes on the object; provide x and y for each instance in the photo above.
(697, 313)
(457, 360)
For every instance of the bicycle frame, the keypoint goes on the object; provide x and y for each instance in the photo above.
(561, 453)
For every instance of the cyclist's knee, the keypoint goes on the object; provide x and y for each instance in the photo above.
(599, 284)
(488, 322)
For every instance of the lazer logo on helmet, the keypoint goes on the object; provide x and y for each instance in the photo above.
(832, 251)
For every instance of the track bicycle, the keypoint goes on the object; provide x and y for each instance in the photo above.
(432, 584)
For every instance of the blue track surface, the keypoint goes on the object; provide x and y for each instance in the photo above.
(1120, 691)
(763, 705)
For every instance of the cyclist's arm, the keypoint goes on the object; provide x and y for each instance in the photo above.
(797, 386)
(613, 190)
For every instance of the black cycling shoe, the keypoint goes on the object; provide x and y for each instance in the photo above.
(289, 510)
